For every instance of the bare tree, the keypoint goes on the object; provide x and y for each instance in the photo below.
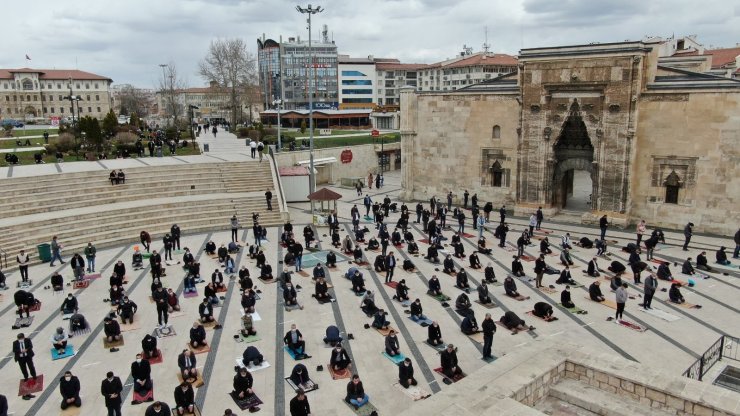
(232, 67)
(170, 85)
(133, 100)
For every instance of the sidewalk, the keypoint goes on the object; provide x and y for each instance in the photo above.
(224, 142)
(22, 149)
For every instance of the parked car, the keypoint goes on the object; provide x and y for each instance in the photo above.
(11, 122)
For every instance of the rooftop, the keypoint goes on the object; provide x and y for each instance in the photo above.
(54, 74)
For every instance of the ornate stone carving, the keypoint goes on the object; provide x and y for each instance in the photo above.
(614, 108)
(546, 133)
(535, 108)
(599, 133)
(556, 117)
(519, 131)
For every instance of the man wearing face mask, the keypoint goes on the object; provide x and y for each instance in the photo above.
(111, 389)
(184, 398)
(158, 409)
(59, 340)
(69, 305)
(141, 372)
(69, 387)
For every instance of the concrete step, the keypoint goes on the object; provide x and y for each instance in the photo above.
(600, 401)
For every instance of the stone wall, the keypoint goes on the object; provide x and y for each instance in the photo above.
(452, 146)
(698, 136)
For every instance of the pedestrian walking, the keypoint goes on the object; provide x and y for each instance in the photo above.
(489, 328)
(56, 251)
(603, 224)
(268, 197)
(260, 149)
(253, 148)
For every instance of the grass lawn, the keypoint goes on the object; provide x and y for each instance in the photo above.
(26, 158)
(324, 142)
(32, 132)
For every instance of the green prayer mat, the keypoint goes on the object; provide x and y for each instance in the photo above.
(573, 310)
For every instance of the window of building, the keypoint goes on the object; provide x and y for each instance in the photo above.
(59, 86)
(35, 97)
(52, 110)
(77, 86)
(353, 74)
(61, 110)
(51, 98)
(349, 91)
(61, 98)
(44, 110)
(89, 109)
(97, 98)
(71, 110)
(28, 98)
(672, 185)
(87, 86)
(98, 109)
(96, 85)
(27, 84)
(87, 98)
(7, 98)
(356, 82)
(497, 132)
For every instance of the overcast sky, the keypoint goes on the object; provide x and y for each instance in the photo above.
(126, 40)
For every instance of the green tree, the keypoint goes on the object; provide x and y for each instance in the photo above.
(93, 135)
(134, 121)
(110, 124)
(303, 126)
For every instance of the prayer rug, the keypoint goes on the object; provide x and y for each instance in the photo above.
(113, 344)
(415, 393)
(68, 352)
(130, 327)
(658, 313)
(391, 284)
(255, 315)
(552, 318)
(158, 359)
(148, 397)
(324, 300)
(197, 383)
(303, 273)
(307, 386)
(267, 281)
(406, 303)
(338, 374)
(608, 303)
(200, 350)
(294, 356)
(466, 235)
(31, 386)
(178, 251)
(423, 322)
(440, 298)
(366, 410)
(70, 411)
(454, 379)
(289, 308)
(23, 322)
(36, 306)
(80, 284)
(547, 290)
(574, 309)
(525, 278)
(221, 289)
(527, 258)
(424, 240)
(193, 294)
(496, 283)
(684, 305)
(501, 324)
(196, 412)
(360, 263)
(396, 359)
(264, 364)
(632, 326)
(245, 403)
(543, 231)
(146, 255)
(207, 324)
(489, 305)
(167, 331)
(172, 262)
(680, 282)
(441, 347)
(477, 337)
(659, 261)
(91, 276)
(67, 316)
(249, 339)
(385, 332)
(82, 331)
(453, 274)
(521, 298)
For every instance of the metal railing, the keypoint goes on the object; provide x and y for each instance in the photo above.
(3, 259)
(725, 347)
(276, 179)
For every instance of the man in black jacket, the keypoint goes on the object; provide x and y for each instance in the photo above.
(23, 355)
(294, 340)
(243, 382)
(111, 389)
(158, 409)
(69, 387)
(448, 361)
(141, 372)
(356, 393)
(184, 398)
(175, 233)
(299, 404)
(489, 328)
(406, 373)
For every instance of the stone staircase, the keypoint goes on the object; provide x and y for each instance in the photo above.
(83, 206)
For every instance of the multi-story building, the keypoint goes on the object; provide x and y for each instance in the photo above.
(212, 102)
(467, 69)
(126, 94)
(284, 72)
(38, 94)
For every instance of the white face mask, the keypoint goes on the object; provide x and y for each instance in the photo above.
(110, 379)
(68, 378)
(138, 360)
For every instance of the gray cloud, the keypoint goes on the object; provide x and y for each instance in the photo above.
(126, 40)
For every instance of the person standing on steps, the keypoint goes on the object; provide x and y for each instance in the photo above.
(90, 252)
(540, 217)
(489, 328)
(688, 231)
(253, 148)
(268, 197)
(175, 233)
(260, 149)
(234, 228)
(641, 228)
(621, 300)
(466, 195)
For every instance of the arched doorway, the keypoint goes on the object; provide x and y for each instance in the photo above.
(574, 174)
(30, 111)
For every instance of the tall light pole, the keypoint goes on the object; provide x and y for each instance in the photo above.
(310, 11)
(278, 103)
(164, 83)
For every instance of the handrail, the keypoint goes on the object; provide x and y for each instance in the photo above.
(3, 259)
(279, 184)
(715, 353)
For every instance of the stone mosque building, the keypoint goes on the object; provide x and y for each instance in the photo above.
(635, 130)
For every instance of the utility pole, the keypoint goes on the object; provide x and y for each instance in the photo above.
(164, 84)
(310, 11)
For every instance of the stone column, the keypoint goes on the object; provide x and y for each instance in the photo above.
(408, 118)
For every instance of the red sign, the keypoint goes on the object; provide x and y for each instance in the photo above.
(375, 133)
(346, 156)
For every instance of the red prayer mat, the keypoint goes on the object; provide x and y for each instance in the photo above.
(31, 386)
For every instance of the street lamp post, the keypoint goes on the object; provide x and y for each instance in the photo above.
(191, 109)
(278, 103)
(310, 11)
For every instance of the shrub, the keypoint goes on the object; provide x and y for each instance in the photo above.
(65, 143)
(243, 132)
(254, 135)
(303, 126)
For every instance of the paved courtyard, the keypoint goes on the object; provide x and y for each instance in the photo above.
(672, 341)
